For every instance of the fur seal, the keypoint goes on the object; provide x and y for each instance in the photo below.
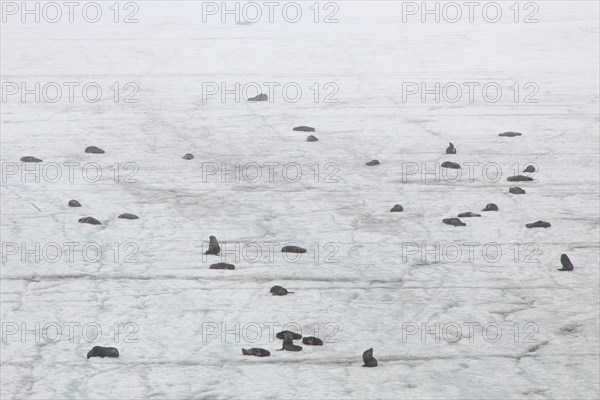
(259, 97)
(128, 216)
(288, 342)
(373, 162)
(304, 129)
(312, 138)
(516, 190)
(312, 341)
(188, 156)
(529, 169)
(222, 265)
(279, 291)
(293, 249)
(74, 203)
(453, 222)
(509, 134)
(99, 351)
(89, 220)
(451, 149)
(256, 352)
(451, 165)
(368, 359)
(566, 263)
(30, 159)
(397, 208)
(94, 150)
(539, 224)
(213, 246)
(519, 178)
(468, 214)
(490, 207)
(295, 336)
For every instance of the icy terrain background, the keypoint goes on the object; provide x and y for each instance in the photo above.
(170, 295)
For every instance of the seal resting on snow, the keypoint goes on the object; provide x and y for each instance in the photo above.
(213, 246)
(451, 165)
(128, 216)
(295, 336)
(509, 134)
(453, 222)
(259, 97)
(373, 162)
(304, 129)
(490, 207)
(450, 149)
(312, 138)
(293, 249)
(566, 263)
(312, 341)
(397, 208)
(368, 359)
(222, 265)
(257, 352)
(538, 224)
(74, 203)
(468, 214)
(30, 159)
(188, 156)
(99, 351)
(89, 220)
(516, 190)
(94, 150)
(279, 291)
(519, 178)
(529, 169)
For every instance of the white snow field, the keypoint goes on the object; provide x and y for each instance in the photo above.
(527, 331)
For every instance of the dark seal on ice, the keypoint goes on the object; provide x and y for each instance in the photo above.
(453, 222)
(288, 342)
(451, 149)
(94, 150)
(516, 190)
(89, 220)
(451, 165)
(312, 341)
(74, 203)
(213, 246)
(368, 359)
(519, 178)
(222, 265)
(509, 134)
(30, 159)
(566, 263)
(312, 138)
(128, 216)
(529, 169)
(259, 97)
(468, 214)
(304, 129)
(99, 351)
(293, 249)
(295, 336)
(279, 291)
(188, 156)
(373, 162)
(397, 208)
(257, 352)
(539, 224)
(490, 207)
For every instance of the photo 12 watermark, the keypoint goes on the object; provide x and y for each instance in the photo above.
(268, 172)
(254, 332)
(69, 92)
(270, 92)
(272, 252)
(453, 12)
(56, 12)
(68, 172)
(470, 92)
(472, 332)
(252, 12)
(470, 252)
(70, 252)
(56, 331)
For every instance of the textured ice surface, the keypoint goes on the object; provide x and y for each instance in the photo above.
(170, 295)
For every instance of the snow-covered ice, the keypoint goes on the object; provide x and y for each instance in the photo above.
(361, 283)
